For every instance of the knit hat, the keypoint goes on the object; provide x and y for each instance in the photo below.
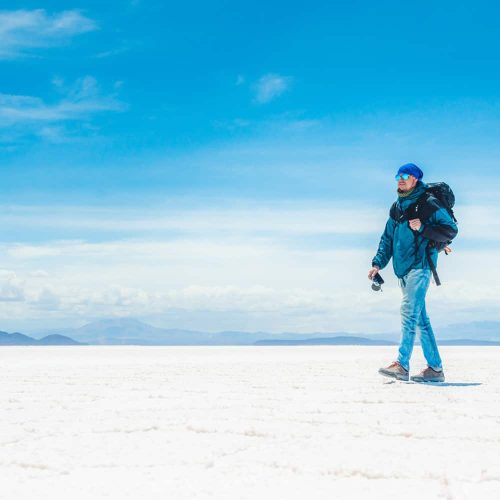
(412, 169)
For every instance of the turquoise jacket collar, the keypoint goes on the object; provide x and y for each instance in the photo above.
(413, 197)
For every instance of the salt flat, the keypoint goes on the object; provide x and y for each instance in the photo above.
(297, 422)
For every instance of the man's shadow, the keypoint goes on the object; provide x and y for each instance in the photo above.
(451, 384)
(437, 384)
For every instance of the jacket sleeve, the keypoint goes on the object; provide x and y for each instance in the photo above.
(384, 252)
(440, 227)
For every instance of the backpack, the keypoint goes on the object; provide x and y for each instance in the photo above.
(443, 193)
(437, 195)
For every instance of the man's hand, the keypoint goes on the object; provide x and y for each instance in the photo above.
(373, 271)
(415, 224)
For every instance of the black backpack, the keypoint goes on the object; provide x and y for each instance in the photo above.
(437, 195)
(443, 193)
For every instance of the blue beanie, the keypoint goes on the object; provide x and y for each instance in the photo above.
(412, 169)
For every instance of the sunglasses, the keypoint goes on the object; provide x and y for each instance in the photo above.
(403, 177)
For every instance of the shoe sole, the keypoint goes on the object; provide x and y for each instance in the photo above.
(421, 379)
(397, 376)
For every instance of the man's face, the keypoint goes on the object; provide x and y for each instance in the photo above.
(406, 185)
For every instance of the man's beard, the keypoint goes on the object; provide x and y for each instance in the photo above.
(405, 192)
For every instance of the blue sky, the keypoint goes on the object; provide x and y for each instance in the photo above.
(217, 165)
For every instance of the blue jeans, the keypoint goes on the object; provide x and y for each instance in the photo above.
(413, 314)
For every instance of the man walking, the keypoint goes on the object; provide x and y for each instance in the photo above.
(406, 241)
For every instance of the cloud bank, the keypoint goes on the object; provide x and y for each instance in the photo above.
(268, 268)
(24, 30)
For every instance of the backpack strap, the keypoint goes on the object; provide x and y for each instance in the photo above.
(421, 209)
(396, 213)
(432, 266)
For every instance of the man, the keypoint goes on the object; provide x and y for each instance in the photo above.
(406, 243)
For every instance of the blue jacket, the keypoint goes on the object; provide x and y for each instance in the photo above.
(398, 241)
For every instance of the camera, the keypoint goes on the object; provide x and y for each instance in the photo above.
(377, 282)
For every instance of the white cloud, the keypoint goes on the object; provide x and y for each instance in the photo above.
(270, 87)
(82, 99)
(29, 115)
(11, 288)
(111, 52)
(52, 134)
(39, 273)
(24, 30)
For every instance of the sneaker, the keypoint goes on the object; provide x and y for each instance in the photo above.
(395, 370)
(429, 375)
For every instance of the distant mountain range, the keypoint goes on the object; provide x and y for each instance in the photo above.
(128, 331)
(345, 340)
(474, 331)
(21, 339)
(365, 341)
